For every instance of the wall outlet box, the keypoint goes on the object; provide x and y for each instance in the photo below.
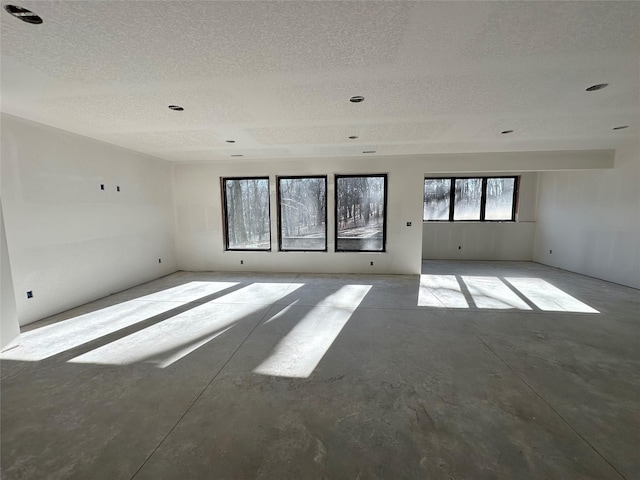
(30, 294)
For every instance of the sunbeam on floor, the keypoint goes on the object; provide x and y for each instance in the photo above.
(44, 342)
(300, 351)
(490, 292)
(170, 340)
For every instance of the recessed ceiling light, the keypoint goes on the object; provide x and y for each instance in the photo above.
(23, 14)
(598, 86)
(356, 99)
(504, 132)
(369, 151)
(237, 155)
(353, 137)
(230, 141)
(176, 108)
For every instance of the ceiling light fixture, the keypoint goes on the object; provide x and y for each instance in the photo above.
(176, 108)
(356, 99)
(353, 137)
(369, 151)
(23, 14)
(598, 86)
(237, 155)
(621, 127)
(230, 141)
(504, 132)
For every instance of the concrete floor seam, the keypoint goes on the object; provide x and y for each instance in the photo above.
(258, 323)
(551, 408)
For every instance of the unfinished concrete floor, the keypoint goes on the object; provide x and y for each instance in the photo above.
(474, 370)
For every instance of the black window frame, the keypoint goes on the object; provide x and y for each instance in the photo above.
(225, 229)
(483, 199)
(326, 206)
(337, 214)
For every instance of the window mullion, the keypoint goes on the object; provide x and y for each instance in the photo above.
(452, 198)
(514, 201)
(483, 199)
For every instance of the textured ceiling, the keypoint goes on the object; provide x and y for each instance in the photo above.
(276, 77)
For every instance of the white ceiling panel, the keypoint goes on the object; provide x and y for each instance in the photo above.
(276, 77)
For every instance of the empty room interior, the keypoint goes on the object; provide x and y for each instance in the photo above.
(320, 240)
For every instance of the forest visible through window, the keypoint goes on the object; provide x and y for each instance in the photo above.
(479, 199)
(360, 213)
(247, 221)
(303, 213)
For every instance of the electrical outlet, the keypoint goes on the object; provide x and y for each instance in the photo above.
(118, 188)
(30, 294)
(372, 264)
(102, 186)
(459, 247)
(241, 262)
(408, 224)
(159, 260)
(550, 252)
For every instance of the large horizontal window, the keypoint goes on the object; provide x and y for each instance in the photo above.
(302, 213)
(361, 204)
(475, 199)
(246, 213)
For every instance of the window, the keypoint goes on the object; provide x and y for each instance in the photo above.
(361, 204)
(467, 199)
(302, 220)
(246, 213)
(437, 195)
(501, 199)
(479, 199)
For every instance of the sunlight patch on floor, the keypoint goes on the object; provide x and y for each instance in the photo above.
(441, 291)
(301, 350)
(166, 342)
(548, 297)
(187, 292)
(491, 292)
(61, 336)
(281, 312)
(170, 340)
(260, 293)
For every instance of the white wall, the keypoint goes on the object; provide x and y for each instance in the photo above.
(70, 242)
(478, 241)
(486, 241)
(9, 327)
(200, 242)
(591, 220)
